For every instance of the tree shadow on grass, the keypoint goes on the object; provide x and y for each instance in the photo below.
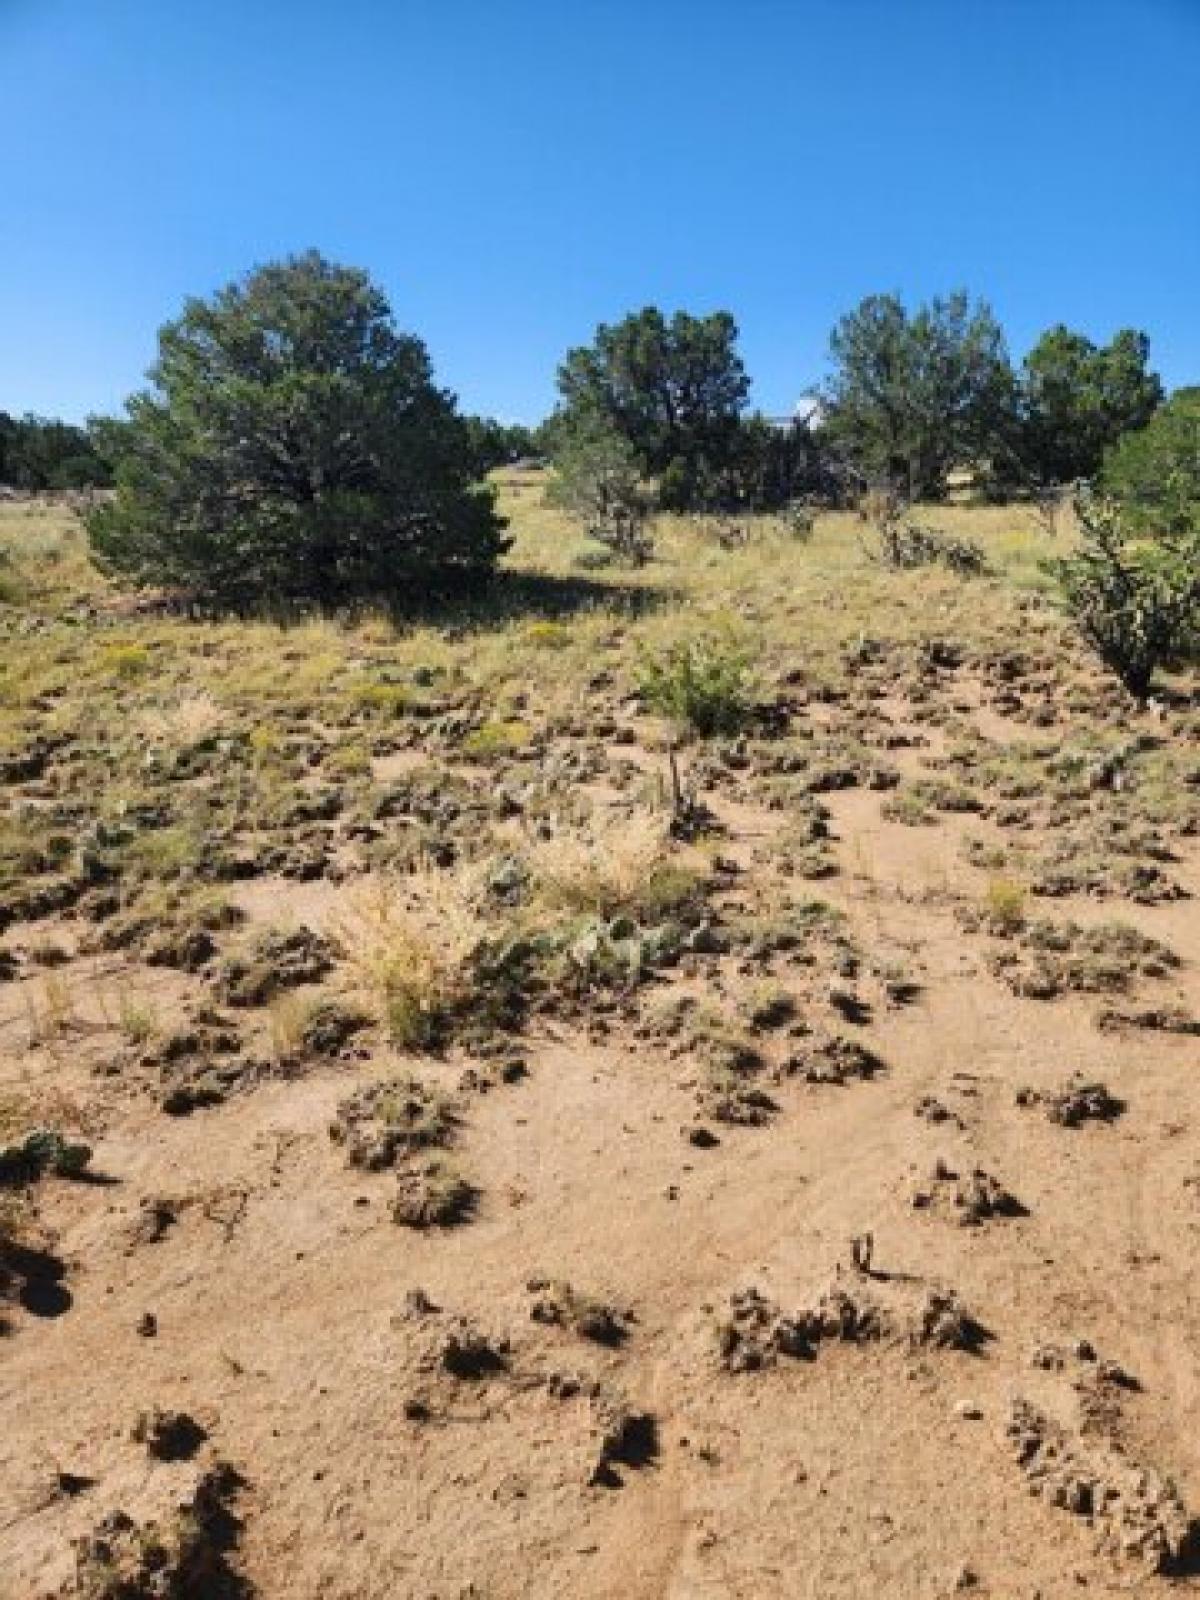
(515, 595)
(510, 595)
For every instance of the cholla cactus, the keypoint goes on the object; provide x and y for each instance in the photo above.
(1135, 600)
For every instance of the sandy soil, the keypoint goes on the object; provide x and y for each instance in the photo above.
(288, 1330)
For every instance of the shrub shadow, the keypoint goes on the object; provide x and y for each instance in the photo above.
(38, 1275)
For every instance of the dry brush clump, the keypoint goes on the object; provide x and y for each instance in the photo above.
(629, 869)
(1042, 958)
(181, 1556)
(903, 544)
(410, 946)
(755, 1331)
(969, 1197)
(1136, 1511)
(1073, 1103)
(405, 1124)
(464, 955)
(381, 1123)
(557, 1303)
(434, 1194)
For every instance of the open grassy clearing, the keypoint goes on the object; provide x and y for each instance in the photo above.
(498, 1095)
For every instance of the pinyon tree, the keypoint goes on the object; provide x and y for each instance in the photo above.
(672, 388)
(916, 394)
(292, 446)
(1079, 398)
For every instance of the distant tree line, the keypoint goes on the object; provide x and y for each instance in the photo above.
(292, 442)
(499, 444)
(913, 396)
(38, 453)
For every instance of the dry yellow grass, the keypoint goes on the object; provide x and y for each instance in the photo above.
(624, 868)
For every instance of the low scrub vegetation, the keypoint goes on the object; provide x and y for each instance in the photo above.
(598, 480)
(703, 685)
(1135, 597)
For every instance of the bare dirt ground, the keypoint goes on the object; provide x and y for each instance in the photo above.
(841, 1244)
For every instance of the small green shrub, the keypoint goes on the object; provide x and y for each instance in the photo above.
(546, 634)
(799, 518)
(382, 699)
(1004, 905)
(42, 1150)
(13, 588)
(704, 685)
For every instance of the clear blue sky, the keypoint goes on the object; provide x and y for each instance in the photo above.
(514, 171)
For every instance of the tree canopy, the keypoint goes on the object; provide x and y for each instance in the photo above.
(1155, 471)
(1079, 398)
(915, 394)
(292, 445)
(497, 444)
(673, 388)
(39, 453)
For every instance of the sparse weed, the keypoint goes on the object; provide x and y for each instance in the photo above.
(125, 662)
(137, 1019)
(50, 1007)
(287, 1014)
(495, 740)
(412, 955)
(14, 1225)
(1005, 905)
